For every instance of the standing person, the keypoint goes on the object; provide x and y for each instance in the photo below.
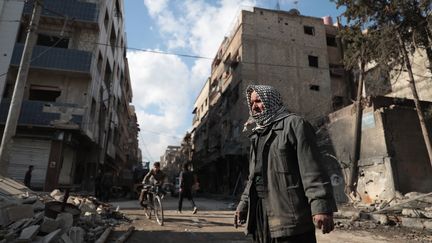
(287, 189)
(28, 176)
(187, 180)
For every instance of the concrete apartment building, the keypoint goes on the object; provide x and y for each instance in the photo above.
(76, 118)
(299, 55)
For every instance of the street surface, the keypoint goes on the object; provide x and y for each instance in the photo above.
(212, 224)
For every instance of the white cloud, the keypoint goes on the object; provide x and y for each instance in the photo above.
(160, 98)
(165, 82)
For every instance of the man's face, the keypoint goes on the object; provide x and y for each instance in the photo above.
(156, 168)
(257, 106)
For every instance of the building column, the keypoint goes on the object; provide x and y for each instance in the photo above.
(54, 165)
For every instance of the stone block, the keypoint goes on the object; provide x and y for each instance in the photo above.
(18, 212)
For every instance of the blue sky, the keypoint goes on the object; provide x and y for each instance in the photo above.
(165, 86)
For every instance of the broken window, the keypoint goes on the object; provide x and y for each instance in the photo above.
(44, 93)
(113, 39)
(331, 40)
(99, 62)
(52, 41)
(309, 30)
(314, 87)
(108, 75)
(106, 20)
(313, 61)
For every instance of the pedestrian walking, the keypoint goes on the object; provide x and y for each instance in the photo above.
(28, 176)
(287, 190)
(187, 180)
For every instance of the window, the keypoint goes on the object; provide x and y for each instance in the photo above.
(331, 40)
(108, 75)
(44, 93)
(52, 41)
(313, 61)
(106, 20)
(93, 112)
(113, 39)
(99, 62)
(314, 87)
(309, 30)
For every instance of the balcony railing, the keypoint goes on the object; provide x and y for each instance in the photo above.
(55, 58)
(45, 114)
(79, 11)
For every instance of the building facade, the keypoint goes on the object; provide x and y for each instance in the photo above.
(76, 118)
(298, 55)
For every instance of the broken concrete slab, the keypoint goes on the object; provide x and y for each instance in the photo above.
(52, 237)
(28, 234)
(65, 239)
(49, 225)
(76, 234)
(15, 213)
(57, 195)
(65, 220)
(416, 213)
(38, 206)
(419, 223)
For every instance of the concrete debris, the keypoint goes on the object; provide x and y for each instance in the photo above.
(412, 210)
(26, 216)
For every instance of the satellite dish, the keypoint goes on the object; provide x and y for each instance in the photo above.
(294, 11)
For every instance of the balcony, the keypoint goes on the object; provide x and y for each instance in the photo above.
(79, 11)
(45, 114)
(55, 58)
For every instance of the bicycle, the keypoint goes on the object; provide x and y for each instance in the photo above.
(154, 205)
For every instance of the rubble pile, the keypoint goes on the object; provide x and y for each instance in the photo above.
(26, 216)
(410, 211)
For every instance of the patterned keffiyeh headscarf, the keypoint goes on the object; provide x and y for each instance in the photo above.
(273, 107)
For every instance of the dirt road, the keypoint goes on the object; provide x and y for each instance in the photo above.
(213, 224)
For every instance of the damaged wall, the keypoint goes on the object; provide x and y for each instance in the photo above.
(392, 157)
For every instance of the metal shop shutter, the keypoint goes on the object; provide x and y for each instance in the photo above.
(27, 152)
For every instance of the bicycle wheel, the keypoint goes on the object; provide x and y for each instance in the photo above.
(158, 210)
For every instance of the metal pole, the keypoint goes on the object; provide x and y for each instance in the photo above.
(20, 83)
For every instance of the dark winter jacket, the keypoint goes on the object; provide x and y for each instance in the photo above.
(297, 185)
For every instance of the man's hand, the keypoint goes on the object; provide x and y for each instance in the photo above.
(239, 219)
(324, 222)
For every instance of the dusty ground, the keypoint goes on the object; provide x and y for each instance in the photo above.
(214, 223)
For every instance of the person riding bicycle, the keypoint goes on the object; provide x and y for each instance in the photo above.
(157, 176)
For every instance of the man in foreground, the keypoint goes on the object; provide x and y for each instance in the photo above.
(287, 190)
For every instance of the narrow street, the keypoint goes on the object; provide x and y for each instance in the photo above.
(214, 223)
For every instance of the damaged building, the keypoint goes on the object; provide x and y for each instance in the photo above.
(76, 117)
(393, 156)
(299, 55)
